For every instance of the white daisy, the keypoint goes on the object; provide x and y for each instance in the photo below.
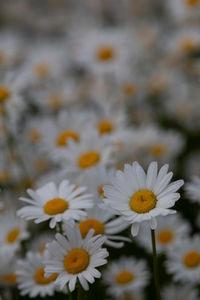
(184, 260)
(75, 258)
(8, 268)
(193, 189)
(179, 293)
(30, 276)
(55, 203)
(169, 231)
(38, 244)
(142, 197)
(92, 151)
(104, 222)
(13, 231)
(125, 276)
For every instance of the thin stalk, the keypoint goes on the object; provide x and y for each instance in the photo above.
(69, 293)
(81, 294)
(155, 265)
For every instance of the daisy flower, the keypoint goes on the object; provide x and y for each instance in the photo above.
(184, 261)
(13, 231)
(104, 222)
(193, 189)
(92, 151)
(8, 268)
(170, 231)
(125, 275)
(142, 197)
(75, 259)
(30, 276)
(55, 203)
(38, 244)
(179, 293)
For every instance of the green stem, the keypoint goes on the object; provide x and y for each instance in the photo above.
(60, 227)
(155, 265)
(81, 294)
(69, 293)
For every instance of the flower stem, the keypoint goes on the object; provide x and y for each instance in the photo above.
(155, 265)
(69, 293)
(81, 294)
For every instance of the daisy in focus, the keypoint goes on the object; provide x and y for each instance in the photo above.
(75, 259)
(30, 276)
(184, 261)
(142, 197)
(125, 276)
(55, 203)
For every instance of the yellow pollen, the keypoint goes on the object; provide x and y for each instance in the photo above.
(4, 93)
(105, 126)
(55, 206)
(12, 235)
(34, 135)
(191, 2)
(124, 277)
(88, 159)
(143, 201)
(65, 135)
(5, 176)
(42, 70)
(86, 225)
(101, 191)
(188, 45)
(192, 259)
(165, 236)
(76, 261)
(158, 149)
(105, 53)
(40, 279)
(10, 278)
(130, 89)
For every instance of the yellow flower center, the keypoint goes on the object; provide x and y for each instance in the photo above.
(86, 225)
(165, 236)
(4, 93)
(10, 278)
(5, 176)
(12, 235)
(41, 165)
(65, 135)
(101, 191)
(55, 206)
(88, 159)
(105, 126)
(124, 277)
(40, 279)
(191, 2)
(143, 201)
(158, 149)
(129, 89)
(42, 70)
(192, 259)
(54, 101)
(105, 53)
(34, 135)
(188, 45)
(42, 248)
(76, 261)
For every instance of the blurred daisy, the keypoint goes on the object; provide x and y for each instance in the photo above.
(55, 203)
(126, 275)
(30, 276)
(104, 222)
(38, 244)
(75, 259)
(13, 231)
(193, 189)
(179, 293)
(184, 260)
(170, 231)
(139, 197)
(92, 151)
(8, 276)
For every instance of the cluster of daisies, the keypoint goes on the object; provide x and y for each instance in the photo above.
(98, 103)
